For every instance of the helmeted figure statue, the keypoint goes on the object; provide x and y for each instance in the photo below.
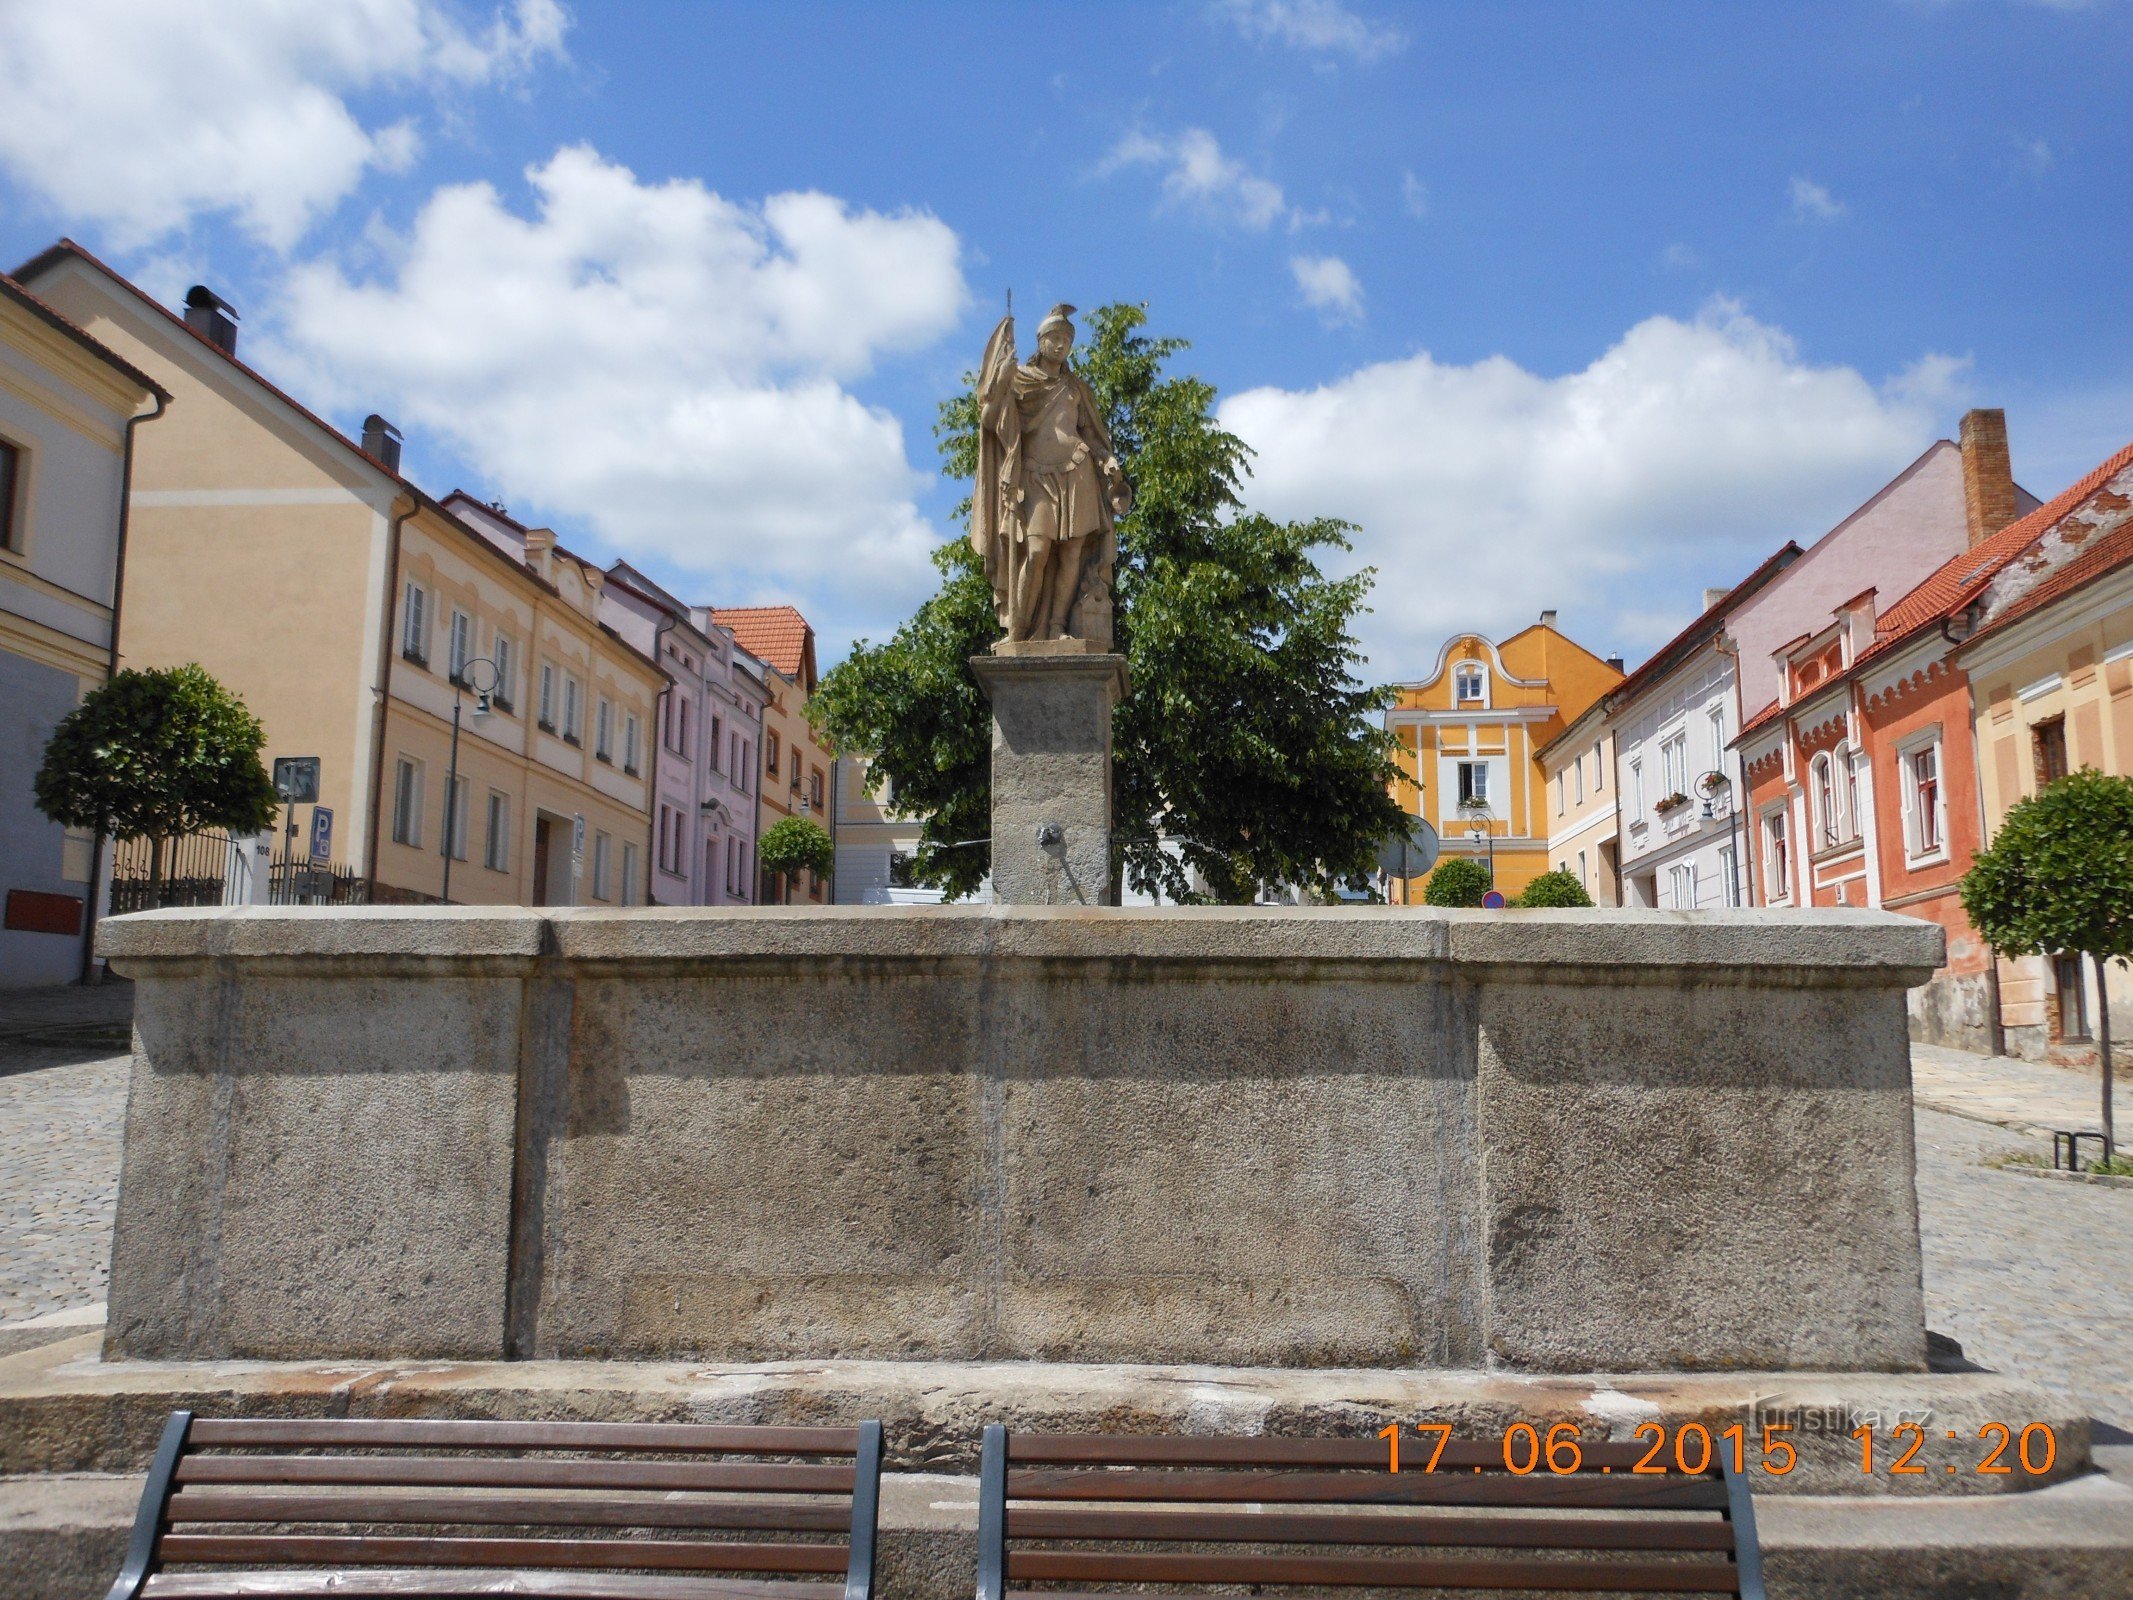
(1043, 514)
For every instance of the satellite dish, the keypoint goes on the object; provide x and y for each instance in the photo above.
(1410, 854)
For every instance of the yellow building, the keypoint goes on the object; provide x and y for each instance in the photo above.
(1469, 735)
(1577, 769)
(340, 601)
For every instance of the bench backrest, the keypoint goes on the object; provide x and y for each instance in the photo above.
(1328, 1513)
(705, 1507)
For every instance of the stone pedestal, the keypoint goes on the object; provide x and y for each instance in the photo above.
(1051, 771)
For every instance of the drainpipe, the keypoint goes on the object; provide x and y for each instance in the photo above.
(659, 745)
(402, 508)
(118, 600)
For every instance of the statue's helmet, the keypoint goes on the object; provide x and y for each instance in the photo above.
(1057, 318)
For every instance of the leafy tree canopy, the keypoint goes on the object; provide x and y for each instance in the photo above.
(1555, 889)
(797, 844)
(2059, 877)
(1456, 881)
(157, 754)
(1247, 738)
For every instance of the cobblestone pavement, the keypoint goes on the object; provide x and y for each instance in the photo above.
(2026, 1095)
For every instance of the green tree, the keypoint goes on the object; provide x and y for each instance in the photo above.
(1456, 881)
(2058, 880)
(1555, 889)
(1247, 739)
(797, 844)
(157, 754)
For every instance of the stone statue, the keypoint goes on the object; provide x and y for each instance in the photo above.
(1044, 512)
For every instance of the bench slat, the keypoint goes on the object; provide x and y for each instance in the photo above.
(562, 1509)
(1691, 1577)
(1584, 1489)
(476, 1472)
(397, 1551)
(317, 1432)
(1100, 1449)
(1275, 1527)
(256, 1585)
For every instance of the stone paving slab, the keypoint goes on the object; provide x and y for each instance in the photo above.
(2029, 1096)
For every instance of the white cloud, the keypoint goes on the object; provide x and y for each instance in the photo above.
(1679, 257)
(1813, 203)
(1486, 492)
(1414, 195)
(1324, 27)
(1330, 287)
(1199, 178)
(140, 114)
(660, 363)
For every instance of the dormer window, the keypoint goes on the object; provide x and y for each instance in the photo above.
(1470, 683)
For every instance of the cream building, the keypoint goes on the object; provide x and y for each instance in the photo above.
(1577, 787)
(339, 600)
(68, 410)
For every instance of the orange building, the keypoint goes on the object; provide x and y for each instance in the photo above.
(1469, 735)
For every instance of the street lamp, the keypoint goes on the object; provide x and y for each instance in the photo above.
(462, 680)
(1477, 812)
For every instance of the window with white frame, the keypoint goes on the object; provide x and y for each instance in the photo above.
(1925, 815)
(718, 738)
(1674, 763)
(1728, 875)
(456, 821)
(415, 625)
(496, 848)
(547, 710)
(1473, 784)
(629, 874)
(407, 803)
(602, 848)
(504, 652)
(1559, 792)
(1470, 683)
(1599, 771)
(1583, 877)
(631, 739)
(1823, 790)
(573, 710)
(1636, 791)
(1853, 822)
(604, 729)
(1716, 716)
(1681, 885)
(1777, 857)
(1577, 783)
(459, 648)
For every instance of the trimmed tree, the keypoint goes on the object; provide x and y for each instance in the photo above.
(1456, 881)
(2058, 880)
(157, 754)
(797, 844)
(1247, 741)
(1554, 889)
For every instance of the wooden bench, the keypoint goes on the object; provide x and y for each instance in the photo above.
(1077, 1510)
(585, 1510)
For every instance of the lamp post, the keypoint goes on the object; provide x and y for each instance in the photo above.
(462, 680)
(1477, 812)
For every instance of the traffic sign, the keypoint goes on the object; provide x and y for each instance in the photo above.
(296, 779)
(1493, 900)
(322, 833)
(1410, 854)
(577, 845)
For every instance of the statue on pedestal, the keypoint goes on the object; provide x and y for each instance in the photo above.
(1043, 515)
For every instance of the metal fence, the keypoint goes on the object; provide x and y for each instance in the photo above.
(211, 869)
(196, 872)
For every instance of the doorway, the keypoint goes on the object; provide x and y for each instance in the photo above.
(540, 861)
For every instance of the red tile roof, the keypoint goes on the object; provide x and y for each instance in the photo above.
(2108, 554)
(776, 634)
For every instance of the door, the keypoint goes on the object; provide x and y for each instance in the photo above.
(540, 861)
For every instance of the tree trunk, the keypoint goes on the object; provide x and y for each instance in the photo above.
(2103, 1044)
(155, 873)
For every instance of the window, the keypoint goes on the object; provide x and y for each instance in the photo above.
(1559, 791)
(496, 849)
(1473, 783)
(1777, 861)
(1581, 870)
(629, 874)
(455, 818)
(1636, 791)
(505, 654)
(681, 743)
(10, 480)
(602, 849)
(407, 803)
(1599, 771)
(1825, 796)
(630, 739)
(2072, 1017)
(770, 753)
(814, 789)
(460, 648)
(604, 729)
(1674, 763)
(718, 736)
(547, 697)
(1577, 780)
(1717, 716)
(1728, 875)
(744, 765)
(573, 710)
(1469, 682)
(1925, 819)
(2049, 740)
(1852, 822)
(415, 626)
(792, 761)
(1681, 886)
(733, 866)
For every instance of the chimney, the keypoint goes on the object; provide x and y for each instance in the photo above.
(1616, 663)
(1547, 619)
(1711, 597)
(1988, 480)
(381, 441)
(540, 551)
(211, 317)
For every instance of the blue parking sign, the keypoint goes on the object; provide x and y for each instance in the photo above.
(321, 833)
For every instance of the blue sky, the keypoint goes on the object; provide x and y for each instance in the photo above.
(1581, 307)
